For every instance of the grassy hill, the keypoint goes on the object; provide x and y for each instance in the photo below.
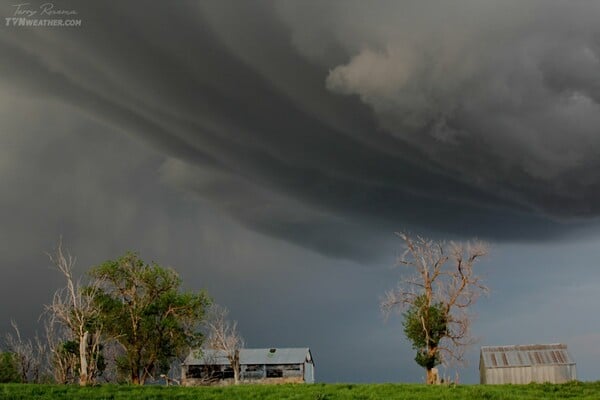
(573, 390)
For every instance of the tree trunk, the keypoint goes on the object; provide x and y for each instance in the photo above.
(83, 364)
(432, 376)
(135, 376)
(429, 378)
(236, 376)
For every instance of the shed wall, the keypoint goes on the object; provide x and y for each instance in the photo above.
(524, 375)
(309, 373)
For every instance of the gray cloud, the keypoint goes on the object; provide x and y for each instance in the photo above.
(269, 151)
(452, 127)
(503, 96)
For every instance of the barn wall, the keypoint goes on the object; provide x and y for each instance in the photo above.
(514, 375)
(525, 375)
(309, 372)
(259, 374)
(554, 374)
(227, 382)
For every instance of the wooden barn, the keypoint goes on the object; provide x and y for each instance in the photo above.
(274, 365)
(524, 364)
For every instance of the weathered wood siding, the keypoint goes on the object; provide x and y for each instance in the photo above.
(524, 375)
(309, 373)
(523, 364)
(227, 382)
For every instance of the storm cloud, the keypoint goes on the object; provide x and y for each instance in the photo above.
(329, 119)
(251, 142)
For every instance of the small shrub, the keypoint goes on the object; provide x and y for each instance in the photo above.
(9, 368)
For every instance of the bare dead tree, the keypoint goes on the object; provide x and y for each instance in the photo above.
(436, 298)
(207, 374)
(42, 360)
(73, 307)
(23, 351)
(224, 336)
(30, 355)
(63, 363)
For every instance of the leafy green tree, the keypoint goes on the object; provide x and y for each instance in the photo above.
(143, 308)
(425, 325)
(9, 368)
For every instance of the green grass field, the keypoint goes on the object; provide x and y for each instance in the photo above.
(311, 392)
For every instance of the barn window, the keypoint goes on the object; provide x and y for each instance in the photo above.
(292, 367)
(228, 373)
(204, 372)
(254, 371)
(212, 372)
(274, 371)
(194, 371)
(253, 367)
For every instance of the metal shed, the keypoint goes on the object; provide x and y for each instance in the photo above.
(521, 364)
(273, 365)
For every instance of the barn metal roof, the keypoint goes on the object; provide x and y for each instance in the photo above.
(251, 356)
(525, 355)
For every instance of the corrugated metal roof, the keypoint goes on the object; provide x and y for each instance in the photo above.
(525, 355)
(251, 356)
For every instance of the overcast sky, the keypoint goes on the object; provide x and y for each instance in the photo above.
(268, 151)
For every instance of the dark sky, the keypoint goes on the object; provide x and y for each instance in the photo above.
(269, 150)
